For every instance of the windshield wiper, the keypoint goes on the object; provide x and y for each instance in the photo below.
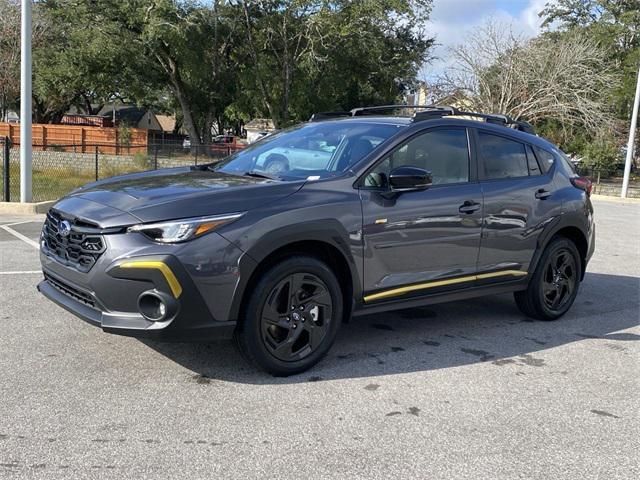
(253, 173)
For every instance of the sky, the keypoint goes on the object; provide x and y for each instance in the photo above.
(451, 20)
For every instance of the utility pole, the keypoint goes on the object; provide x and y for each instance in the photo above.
(25, 103)
(632, 139)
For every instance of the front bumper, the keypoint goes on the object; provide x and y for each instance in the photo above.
(197, 279)
(190, 320)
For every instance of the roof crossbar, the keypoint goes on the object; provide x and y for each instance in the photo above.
(372, 110)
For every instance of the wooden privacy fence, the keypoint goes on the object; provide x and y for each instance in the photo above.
(81, 139)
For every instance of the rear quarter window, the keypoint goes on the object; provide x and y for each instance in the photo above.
(545, 159)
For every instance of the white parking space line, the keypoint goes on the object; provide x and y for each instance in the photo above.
(18, 223)
(20, 236)
(23, 272)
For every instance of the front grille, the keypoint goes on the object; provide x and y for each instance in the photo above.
(70, 291)
(78, 248)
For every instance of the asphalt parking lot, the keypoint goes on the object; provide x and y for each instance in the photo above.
(471, 389)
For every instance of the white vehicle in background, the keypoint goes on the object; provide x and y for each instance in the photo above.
(575, 160)
(306, 155)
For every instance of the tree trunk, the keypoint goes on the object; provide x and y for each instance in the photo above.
(187, 117)
(208, 125)
(176, 86)
(286, 91)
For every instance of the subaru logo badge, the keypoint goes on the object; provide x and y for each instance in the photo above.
(64, 229)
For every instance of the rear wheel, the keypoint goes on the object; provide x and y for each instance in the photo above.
(555, 282)
(292, 317)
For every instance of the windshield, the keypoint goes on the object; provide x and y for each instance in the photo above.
(309, 150)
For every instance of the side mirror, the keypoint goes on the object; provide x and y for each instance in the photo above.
(407, 179)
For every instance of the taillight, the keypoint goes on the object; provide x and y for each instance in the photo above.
(582, 183)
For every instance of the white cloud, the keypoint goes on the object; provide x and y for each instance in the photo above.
(452, 20)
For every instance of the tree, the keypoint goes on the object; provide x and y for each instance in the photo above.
(564, 77)
(9, 55)
(201, 79)
(615, 25)
(10, 51)
(305, 55)
(218, 62)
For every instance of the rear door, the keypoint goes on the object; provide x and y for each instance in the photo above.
(415, 240)
(519, 201)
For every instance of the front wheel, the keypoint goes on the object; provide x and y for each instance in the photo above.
(276, 164)
(292, 317)
(555, 282)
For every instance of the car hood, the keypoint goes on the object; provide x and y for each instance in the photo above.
(170, 194)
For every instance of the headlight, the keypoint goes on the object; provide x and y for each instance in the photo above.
(182, 230)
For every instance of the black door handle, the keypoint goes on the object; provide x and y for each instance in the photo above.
(469, 207)
(542, 194)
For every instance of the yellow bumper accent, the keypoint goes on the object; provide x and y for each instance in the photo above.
(169, 276)
(440, 283)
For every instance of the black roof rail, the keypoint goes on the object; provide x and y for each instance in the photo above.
(524, 127)
(436, 111)
(319, 116)
(505, 120)
(493, 118)
(430, 112)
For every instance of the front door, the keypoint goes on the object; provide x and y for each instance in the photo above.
(419, 242)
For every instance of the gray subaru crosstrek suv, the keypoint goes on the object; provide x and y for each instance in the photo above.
(393, 212)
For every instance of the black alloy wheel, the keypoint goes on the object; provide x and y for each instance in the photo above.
(292, 316)
(296, 316)
(559, 279)
(554, 285)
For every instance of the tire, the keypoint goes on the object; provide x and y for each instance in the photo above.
(555, 282)
(292, 317)
(276, 164)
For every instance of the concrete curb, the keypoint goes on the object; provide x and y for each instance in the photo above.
(15, 208)
(608, 198)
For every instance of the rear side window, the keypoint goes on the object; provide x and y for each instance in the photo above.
(545, 158)
(502, 158)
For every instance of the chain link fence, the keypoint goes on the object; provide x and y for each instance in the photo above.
(58, 169)
(609, 182)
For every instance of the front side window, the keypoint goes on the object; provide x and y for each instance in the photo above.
(443, 152)
(502, 158)
(318, 150)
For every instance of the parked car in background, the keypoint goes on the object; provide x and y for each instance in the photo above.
(226, 144)
(368, 214)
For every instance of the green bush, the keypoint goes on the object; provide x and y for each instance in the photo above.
(602, 156)
(141, 160)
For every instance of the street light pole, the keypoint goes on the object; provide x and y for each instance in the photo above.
(632, 138)
(25, 103)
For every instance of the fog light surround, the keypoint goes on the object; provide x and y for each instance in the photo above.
(156, 306)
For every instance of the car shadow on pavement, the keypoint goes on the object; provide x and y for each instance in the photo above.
(487, 329)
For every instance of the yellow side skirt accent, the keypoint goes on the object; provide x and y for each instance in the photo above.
(171, 279)
(440, 283)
